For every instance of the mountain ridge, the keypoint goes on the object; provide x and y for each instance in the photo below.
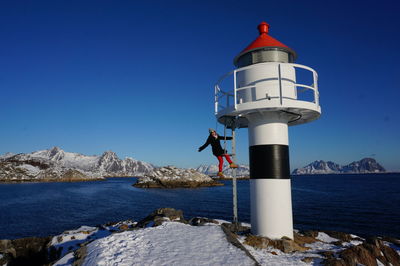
(363, 166)
(57, 164)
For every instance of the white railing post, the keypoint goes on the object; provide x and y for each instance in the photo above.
(234, 89)
(316, 96)
(216, 99)
(280, 83)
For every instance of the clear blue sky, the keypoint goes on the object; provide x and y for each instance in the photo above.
(137, 77)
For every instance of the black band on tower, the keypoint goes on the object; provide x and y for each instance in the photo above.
(269, 162)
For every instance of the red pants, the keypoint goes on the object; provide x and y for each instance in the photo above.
(221, 161)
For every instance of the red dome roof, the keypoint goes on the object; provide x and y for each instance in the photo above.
(264, 40)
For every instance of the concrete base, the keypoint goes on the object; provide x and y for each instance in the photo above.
(271, 208)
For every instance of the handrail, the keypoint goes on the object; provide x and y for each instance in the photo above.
(219, 93)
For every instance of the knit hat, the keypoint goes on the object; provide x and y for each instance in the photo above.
(211, 130)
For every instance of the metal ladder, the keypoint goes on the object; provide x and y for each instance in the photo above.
(235, 220)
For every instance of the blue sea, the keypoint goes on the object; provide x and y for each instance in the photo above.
(360, 204)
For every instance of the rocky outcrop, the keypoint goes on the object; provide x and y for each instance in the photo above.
(242, 172)
(173, 177)
(370, 252)
(25, 251)
(325, 248)
(366, 165)
(285, 245)
(161, 215)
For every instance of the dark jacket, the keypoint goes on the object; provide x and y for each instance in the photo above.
(215, 144)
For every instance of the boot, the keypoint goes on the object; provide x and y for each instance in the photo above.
(232, 165)
(221, 175)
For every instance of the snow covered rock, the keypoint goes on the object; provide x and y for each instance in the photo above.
(161, 215)
(173, 177)
(175, 242)
(243, 171)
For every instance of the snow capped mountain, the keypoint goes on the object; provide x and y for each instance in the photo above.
(319, 167)
(212, 169)
(108, 164)
(65, 159)
(6, 155)
(366, 165)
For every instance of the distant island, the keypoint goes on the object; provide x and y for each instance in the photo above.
(364, 166)
(54, 164)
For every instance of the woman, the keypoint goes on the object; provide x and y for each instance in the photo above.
(214, 140)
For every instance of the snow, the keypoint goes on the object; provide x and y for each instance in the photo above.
(32, 170)
(168, 244)
(71, 239)
(241, 171)
(66, 260)
(354, 242)
(175, 243)
(379, 263)
(325, 238)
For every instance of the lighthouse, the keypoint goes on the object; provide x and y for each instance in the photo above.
(266, 93)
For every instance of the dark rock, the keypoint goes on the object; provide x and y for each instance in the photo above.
(357, 255)
(124, 227)
(4, 244)
(327, 254)
(304, 239)
(339, 235)
(308, 259)
(337, 243)
(25, 251)
(79, 256)
(375, 250)
(54, 253)
(290, 246)
(237, 228)
(198, 221)
(374, 241)
(392, 240)
(257, 241)
(391, 255)
(367, 253)
(309, 233)
(284, 245)
(159, 216)
(333, 262)
(232, 238)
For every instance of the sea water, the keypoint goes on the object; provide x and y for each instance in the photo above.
(359, 204)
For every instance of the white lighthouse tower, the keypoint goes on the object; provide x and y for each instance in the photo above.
(266, 93)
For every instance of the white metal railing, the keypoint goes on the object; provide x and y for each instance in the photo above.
(230, 96)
